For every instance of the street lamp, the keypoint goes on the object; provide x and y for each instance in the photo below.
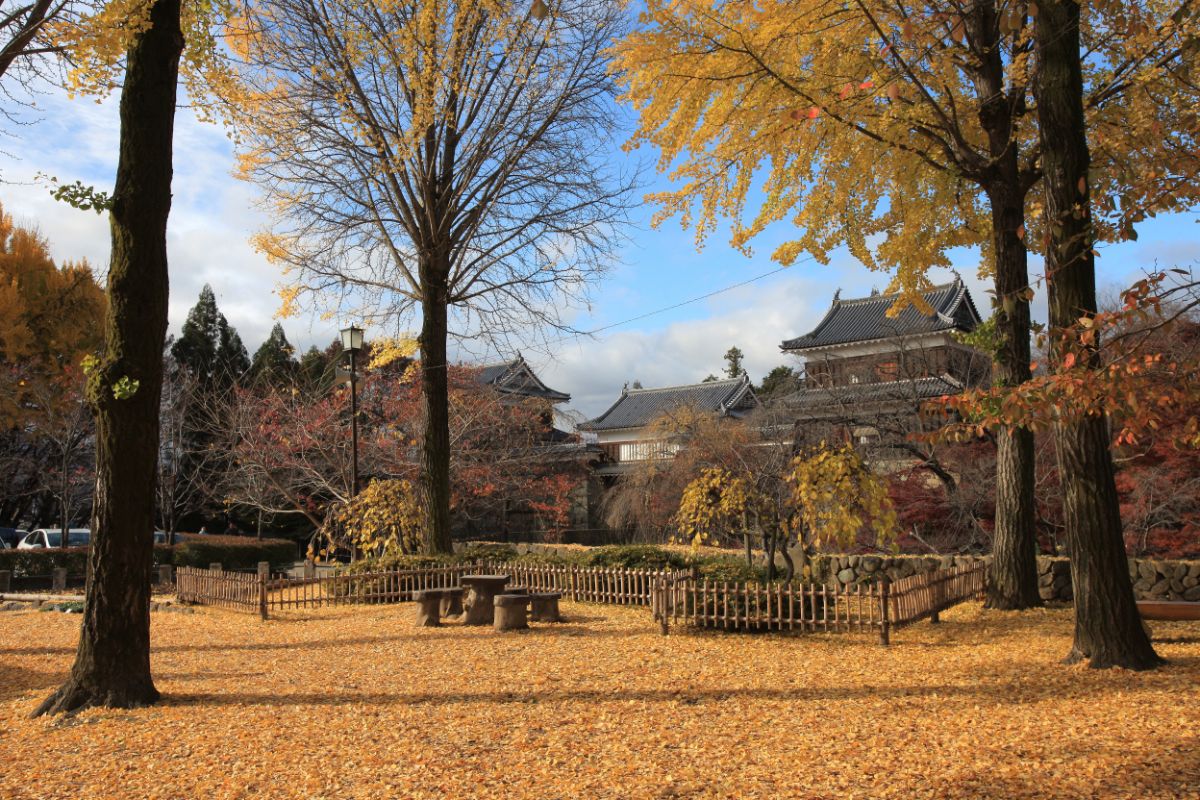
(352, 342)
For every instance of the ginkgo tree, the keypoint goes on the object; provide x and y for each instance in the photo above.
(827, 496)
(446, 160)
(138, 45)
(903, 130)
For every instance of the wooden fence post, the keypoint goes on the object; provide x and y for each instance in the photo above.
(264, 574)
(165, 578)
(660, 602)
(310, 568)
(885, 590)
(574, 584)
(58, 581)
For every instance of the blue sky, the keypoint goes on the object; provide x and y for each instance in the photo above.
(213, 216)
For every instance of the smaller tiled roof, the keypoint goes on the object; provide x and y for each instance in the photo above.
(517, 377)
(865, 319)
(639, 407)
(857, 394)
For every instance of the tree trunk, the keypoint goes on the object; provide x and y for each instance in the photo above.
(435, 454)
(1108, 628)
(1013, 580)
(112, 663)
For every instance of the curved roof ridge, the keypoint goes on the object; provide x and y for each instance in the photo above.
(718, 382)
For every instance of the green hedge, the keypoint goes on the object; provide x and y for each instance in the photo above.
(26, 563)
(233, 552)
(629, 556)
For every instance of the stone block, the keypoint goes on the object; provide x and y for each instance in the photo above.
(846, 576)
(871, 563)
(1194, 569)
(512, 612)
(1192, 594)
(1146, 570)
(1180, 571)
(1160, 588)
(1189, 582)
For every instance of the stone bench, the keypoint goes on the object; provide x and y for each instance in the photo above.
(430, 603)
(544, 607)
(511, 612)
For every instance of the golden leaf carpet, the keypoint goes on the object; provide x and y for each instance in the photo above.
(356, 702)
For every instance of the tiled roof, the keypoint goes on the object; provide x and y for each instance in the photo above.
(639, 407)
(857, 394)
(517, 377)
(865, 319)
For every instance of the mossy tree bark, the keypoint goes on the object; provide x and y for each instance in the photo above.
(1108, 628)
(112, 662)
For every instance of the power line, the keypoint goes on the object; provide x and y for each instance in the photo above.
(674, 306)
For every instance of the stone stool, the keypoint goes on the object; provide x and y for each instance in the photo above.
(452, 602)
(429, 608)
(545, 607)
(511, 612)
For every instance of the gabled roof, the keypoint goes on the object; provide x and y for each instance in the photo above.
(639, 407)
(517, 377)
(857, 394)
(865, 319)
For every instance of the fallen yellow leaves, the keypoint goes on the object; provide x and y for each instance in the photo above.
(355, 702)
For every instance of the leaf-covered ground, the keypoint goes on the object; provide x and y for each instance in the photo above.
(358, 703)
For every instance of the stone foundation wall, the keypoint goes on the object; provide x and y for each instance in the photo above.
(1152, 580)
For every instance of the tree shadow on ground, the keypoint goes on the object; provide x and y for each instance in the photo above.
(974, 694)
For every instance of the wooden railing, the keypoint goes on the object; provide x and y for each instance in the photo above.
(675, 596)
(239, 591)
(881, 606)
(609, 585)
(382, 586)
(780, 607)
(928, 594)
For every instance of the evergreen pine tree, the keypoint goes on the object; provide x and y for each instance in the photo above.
(209, 347)
(274, 361)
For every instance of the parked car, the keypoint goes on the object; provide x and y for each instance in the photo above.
(52, 537)
(160, 537)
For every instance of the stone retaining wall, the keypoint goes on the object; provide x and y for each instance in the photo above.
(1152, 580)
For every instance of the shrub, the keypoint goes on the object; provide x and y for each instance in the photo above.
(233, 552)
(27, 563)
(398, 561)
(634, 556)
(728, 568)
(487, 552)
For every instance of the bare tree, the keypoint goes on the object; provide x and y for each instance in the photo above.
(447, 157)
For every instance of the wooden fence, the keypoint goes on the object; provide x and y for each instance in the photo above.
(675, 596)
(383, 586)
(239, 591)
(779, 607)
(609, 585)
(880, 607)
(927, 595)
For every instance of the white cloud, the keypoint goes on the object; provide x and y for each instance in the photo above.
(212, 215)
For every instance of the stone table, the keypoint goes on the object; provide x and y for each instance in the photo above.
(481, 597)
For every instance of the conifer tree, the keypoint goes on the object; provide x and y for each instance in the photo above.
(275, 361)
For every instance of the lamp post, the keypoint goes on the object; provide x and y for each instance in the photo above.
(352, 342)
